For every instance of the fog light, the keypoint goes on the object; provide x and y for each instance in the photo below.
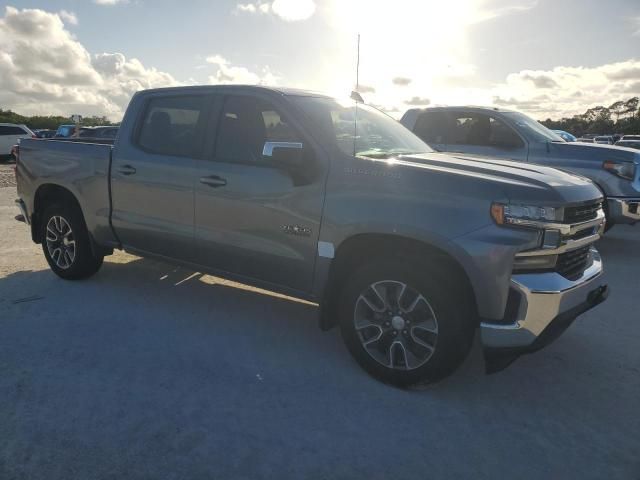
(535, 262)
(551, 239)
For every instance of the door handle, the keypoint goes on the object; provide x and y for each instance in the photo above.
(126, 170)
(213, 181)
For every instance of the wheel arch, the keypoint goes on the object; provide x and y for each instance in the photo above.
(356, 249)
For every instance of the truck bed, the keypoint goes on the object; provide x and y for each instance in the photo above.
(78, 166)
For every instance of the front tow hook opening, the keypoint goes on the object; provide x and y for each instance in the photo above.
(498, 359)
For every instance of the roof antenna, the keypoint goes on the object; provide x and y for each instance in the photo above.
(355, 95)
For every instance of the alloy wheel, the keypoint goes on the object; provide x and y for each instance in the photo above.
(396, 325)
(60, 241)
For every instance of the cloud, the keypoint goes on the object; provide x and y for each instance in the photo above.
(110, 2)
(568, 90)
(254, 7)
(418, 101)
(227, 73)
(287, 10)
(68, 17)
(401, 81)
(540, 80)
(366, 89)
(45, 70)
(490, 9)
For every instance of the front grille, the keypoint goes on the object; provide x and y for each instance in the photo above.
(581, 213)
(571, 264)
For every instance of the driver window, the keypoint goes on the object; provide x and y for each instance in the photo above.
(483, 130)
(246, 123)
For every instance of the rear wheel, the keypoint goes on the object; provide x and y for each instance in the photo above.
(66, 244)
(406, 322)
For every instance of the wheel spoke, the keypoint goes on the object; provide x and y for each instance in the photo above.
(383, 298)
(414, 304)
(432, 330)
(54, 235)
(395, 347)
(369, 304)
(420, 341)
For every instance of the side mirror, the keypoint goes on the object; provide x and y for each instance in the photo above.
(291, 157)
(287, 155)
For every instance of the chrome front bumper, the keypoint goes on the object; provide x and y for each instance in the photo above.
(624, 210)
(543, 298)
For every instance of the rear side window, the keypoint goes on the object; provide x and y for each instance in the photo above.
(174, 126)
(482, 130)
(10, 130)
(431, 127)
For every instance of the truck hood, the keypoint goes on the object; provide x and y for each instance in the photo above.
(593, 151)
(520, 182)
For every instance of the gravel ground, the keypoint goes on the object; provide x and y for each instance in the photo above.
(7, 177)
(148, 371)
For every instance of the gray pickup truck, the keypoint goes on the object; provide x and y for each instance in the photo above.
(500, 133)
(409, 251)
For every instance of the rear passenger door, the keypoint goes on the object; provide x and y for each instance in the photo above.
(254, 218)
(482, 134)
(152, 175)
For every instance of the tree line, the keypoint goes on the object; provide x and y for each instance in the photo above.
(620, 117)
(50, 122)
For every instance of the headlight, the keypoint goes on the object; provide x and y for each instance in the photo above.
(621, 169)
(506, 214)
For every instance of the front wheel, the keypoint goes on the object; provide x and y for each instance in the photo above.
(407, 322)
(66, 244)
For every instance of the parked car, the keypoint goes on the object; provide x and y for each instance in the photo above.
(630, 137)
(44, 133)
(566, 136)
(512, 135)
(604, 140)
(10, 134)
(585, 140)
(15, 151)
(629, 144)
(408, 250)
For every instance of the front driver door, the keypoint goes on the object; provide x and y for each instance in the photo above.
(253, 217)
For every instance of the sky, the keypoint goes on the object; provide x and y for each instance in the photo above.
(547, 58)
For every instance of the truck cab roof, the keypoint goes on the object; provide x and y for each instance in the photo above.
(237, 89)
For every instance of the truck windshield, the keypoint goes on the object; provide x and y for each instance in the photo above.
(359, 129)
(535, 129)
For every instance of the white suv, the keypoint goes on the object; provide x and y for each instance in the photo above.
(10, 133)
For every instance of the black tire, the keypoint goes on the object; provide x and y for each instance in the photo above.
(85, 263)
(609, 223)
(448, 301)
